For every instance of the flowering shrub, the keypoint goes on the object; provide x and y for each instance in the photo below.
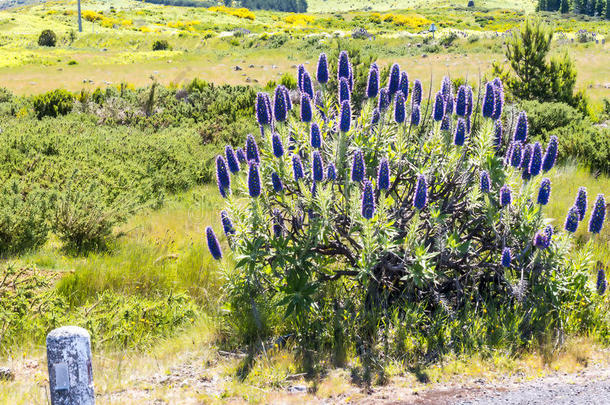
(420, 209)
(235, 12)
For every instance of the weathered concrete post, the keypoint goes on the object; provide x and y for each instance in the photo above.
(69, 361)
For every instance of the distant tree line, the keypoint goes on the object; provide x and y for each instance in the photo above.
(597, 8)
(184, 3)
(293, 6)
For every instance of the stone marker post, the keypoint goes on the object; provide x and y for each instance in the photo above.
(69, 361)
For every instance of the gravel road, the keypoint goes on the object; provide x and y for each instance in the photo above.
(588, 387)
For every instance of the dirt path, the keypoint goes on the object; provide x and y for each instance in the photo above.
(590, 386)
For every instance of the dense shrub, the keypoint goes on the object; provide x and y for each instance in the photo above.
(53, 103)
(47, 38)
(579, 139)
(160, 45)
(23, 213)
(83, 221)
(546, 117)
(31, 308)
(421, 238)
(586, 144)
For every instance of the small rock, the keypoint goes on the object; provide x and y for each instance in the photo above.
(248, 80)
(237, 68)
(251, 66)
(297, 389)
(6, 374)
(424, 55)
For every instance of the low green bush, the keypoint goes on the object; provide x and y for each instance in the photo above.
(47, 38)
(160, 45)
(545, 117)
(83, 221)
(31, 308)
(54, 103)
(579, 139)
(23, 213)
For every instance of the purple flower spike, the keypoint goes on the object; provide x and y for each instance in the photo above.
(399, 108)
(384, 99)
(420, 198)
(541, 240)
(287, 99)
(602, 283)
(498, 131)
(460, 132)
(506, 257)
(489, 100)
(331, 172)
(469, 101)
(394, 83)
(306, 112)
(446, 87)
(232, 161)
(254, 180)
(571, 224)
(241, 155)
(485, 182)
(498, 102)
(252, 149)
(404, 84)
(516, 155)
(439, 107)
(276, 182)
(227, 224)
(344, 93)
(505, 196)
(536, 161)
(596, 223)
(581, 203)
(262, 113)
(525, 161)
(213, 244)
(278, 148)
(521, 128)
(372, 84)
(358, 167)
(446, 123)
(550, 155)
(375, 117)
(322, 71)
(222, 176)
(417, 93)
(277, 223)
(344, 68)
(346, 117)
(415, 115)
(315, 137)
(383, 175)
(318, 166)
(279, 104)
(449, 103)
(297, 168)
(368, 200)
(307, 85)
(544, 192)
(460, 105)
